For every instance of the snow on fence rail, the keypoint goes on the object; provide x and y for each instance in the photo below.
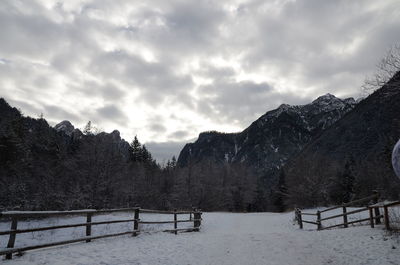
(372, 209)
(15, 216)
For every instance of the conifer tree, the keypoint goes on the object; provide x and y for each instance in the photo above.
(88, 128)
(173, 162)
(146, 156)
(136, 150)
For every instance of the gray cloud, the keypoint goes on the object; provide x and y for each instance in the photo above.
(316, 38)
(157, 81)
(157, 128)
(58, 113)
(113, 113)
(181, 134)
(193, 64)
(234, 99)
(25, 107)
(240, 102)
(107, 91)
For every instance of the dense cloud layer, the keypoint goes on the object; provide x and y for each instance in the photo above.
(167, 70)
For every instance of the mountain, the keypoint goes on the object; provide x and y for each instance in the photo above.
(46, 168)
(272, 139)
(259, 152)
(65, 127)
(352, 157)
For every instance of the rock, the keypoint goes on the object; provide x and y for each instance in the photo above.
(66, 127)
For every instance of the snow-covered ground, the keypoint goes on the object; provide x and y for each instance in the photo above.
(28, 239)
(224, 238)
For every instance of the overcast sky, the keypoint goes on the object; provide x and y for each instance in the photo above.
(167, 70)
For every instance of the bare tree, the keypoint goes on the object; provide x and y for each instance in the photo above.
(386, 69)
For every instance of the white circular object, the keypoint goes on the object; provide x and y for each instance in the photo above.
(396, 159)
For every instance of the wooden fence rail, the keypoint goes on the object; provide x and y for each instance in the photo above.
(385, 215)
(373, 210)
(16, 216)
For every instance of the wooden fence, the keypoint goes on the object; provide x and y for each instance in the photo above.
(369, 204)
(194, 216)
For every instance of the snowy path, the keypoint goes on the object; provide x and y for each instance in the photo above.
(229, 238)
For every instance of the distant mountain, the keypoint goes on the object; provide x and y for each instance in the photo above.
(65, 127)
(43, 168)
(261, 150)
(272, 139)
(352, 157)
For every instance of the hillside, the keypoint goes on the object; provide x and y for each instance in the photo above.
(269, 141)
(43, 168)
(352, 157)
(244, 167)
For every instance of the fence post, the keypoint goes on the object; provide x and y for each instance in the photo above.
(371, 217)
(196, 220)
(377, 213)
(136, 222)
(200, 214)
(319, 226)
(194, 217)
(345, 217)
(190, 214)
(88, 226)
(11, 240)
(300, 219)
(387, 225)
(175, 223)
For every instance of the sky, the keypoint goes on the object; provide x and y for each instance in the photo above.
(168, 70)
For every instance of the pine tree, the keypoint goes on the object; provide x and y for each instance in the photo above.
(173, 162)
(146, 156)
(136, 150)
(168, 166)
(88, 128)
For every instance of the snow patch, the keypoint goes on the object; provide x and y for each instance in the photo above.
(225, 238)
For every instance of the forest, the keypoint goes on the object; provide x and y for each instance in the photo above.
(45, 169)
(42, 168)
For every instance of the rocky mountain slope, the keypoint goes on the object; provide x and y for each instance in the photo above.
(352, 157)
(272, 139)
(260, 151)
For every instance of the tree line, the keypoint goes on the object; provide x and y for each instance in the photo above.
(45, 169)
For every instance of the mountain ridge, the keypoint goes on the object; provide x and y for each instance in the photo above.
(351, 158)
(53, 168)
(328, 106)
